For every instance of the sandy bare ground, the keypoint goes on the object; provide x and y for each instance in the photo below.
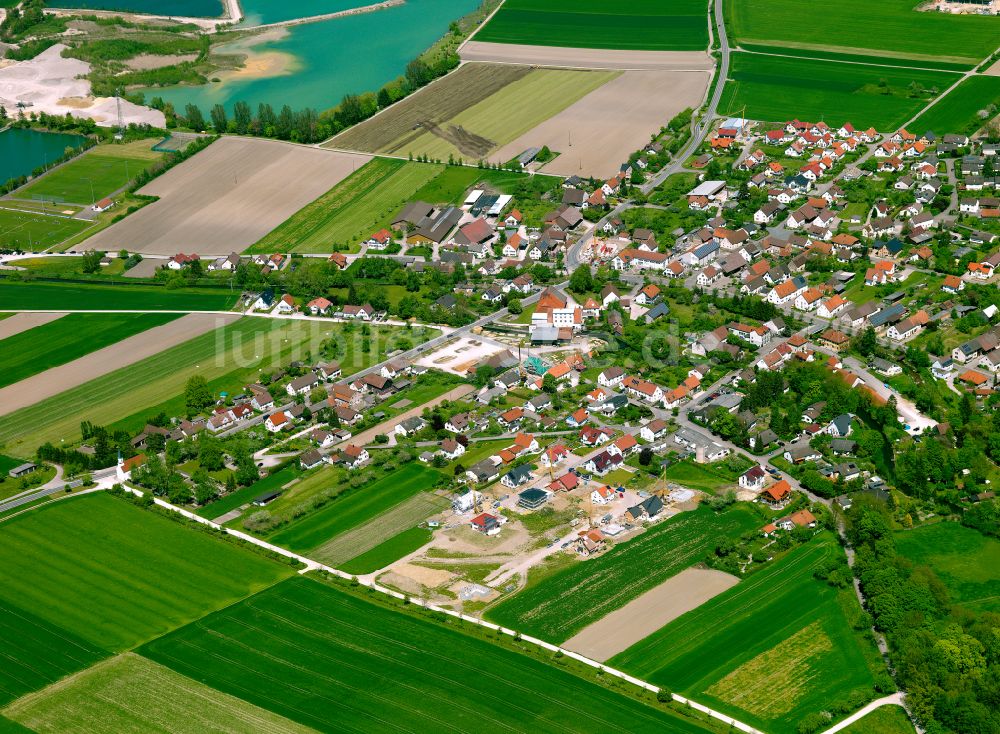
(586, 58)
(596, 134)
(128, 351)
(145, 269)
(49, 83)
(23, 321)
(158, 61)
(227, 197)
(643, 616)
(993, 70)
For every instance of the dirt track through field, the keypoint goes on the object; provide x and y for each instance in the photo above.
(596, 134)
(642, 617)
(586, 58)
(226, 198)
(23, 321)
(128, 351)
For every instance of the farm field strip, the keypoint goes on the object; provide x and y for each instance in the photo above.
(435, 103)
(478, 130)
(116, 377)
(430, 677)
(353, 209)
(958, 111)
(639, 24)
(386, 525)
(95, 174)
(731, 637)
(35, 653)
(559, 606)
(15, 323)
(774, 88)
(37, 296)
(902, 30)
(585, 58)
(647, 613)
(116, 575)
(388, 551)
(66, 339)
(360, 506)
(226, 197)
(133, 693)
(228, 358)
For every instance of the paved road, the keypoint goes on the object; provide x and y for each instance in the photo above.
(700, 127)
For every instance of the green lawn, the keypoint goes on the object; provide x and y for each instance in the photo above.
(66, 339)
(771, 650)
(16, 296)
(117, 575)
(36, 653)
(336, 662)
(95, 174)
(888, 29)
(130, 693)
(316, 529)
(706, 477)
(958, 111)
(884, 720)
(640, 24)
(352, 210)
(964, 559)
(560, 605)
(22, 230)
(777, 89)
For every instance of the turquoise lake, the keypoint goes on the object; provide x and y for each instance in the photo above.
(190, 8)
(262, 12)
(352, 54)
(22, 151)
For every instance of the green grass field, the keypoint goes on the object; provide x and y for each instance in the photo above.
(640, 24)
(117, 575)
(706, 477)
(314, 530)
(333, 661)
(130, 693)
(777, 89)
(21, 230)
(36, 653)
(16, 296)
(958, 111)
(228, 359)
(245, 495)
(560, 605)
(388, 552)
(353, 209)
(95, 174)
(896, 30)
(387, 533)
(66, 339)
(770, 650)
(884, 720)
(505, 115)
(963, 558)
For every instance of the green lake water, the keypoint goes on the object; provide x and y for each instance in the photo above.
(262, 12)
(22, 151)
(355, 53)
(189, 8)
